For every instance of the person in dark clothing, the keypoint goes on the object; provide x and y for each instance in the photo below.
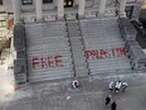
(0, 53)
(113, 106)
(142, 17)
(107, 100)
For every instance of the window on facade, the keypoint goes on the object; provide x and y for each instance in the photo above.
(47, 1)
(27, 2)
(1, 2)
(3, 24)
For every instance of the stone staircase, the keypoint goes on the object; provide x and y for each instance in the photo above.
(48, 51)
(77, 47)
(105, 49)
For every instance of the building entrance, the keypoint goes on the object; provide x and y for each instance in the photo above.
(68, 3)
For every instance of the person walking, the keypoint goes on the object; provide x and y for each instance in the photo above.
(111, 86)
(108, 100)
(124, 86)
(118, 86)
(113, 106)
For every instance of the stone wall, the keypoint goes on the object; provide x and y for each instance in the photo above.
(20, 64)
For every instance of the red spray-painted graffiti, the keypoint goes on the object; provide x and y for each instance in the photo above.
(47, 62)
(55, 61)
(93, 54)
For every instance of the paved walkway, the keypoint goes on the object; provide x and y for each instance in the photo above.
(60, 96)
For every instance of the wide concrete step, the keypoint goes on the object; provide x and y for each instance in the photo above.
(49, 49)
(109, 64)
(106, 46)
(82, 72)
(51, 70)
(47, 40)
(112, 59)
(46, 77)
(46, 46)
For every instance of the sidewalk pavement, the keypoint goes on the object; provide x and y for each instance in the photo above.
(60, 96)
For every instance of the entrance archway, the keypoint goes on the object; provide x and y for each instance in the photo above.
(68, 3)
(77, 7)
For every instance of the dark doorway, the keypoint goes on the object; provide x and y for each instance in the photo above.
(27, 2)
(142, 17)
(68, 3)
(47, 1)
(1, 2)
(129, 11)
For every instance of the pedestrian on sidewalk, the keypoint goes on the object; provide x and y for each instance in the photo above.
(124, 86)
(75, 84)
(111, 86)
(118, 86)
(108, 100)
(113, 106)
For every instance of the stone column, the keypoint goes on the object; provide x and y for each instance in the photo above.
(16, 10)
(136, 10)
(38, 8)
(81, 10)
(122, 7)
(102, 7)
(60, 9)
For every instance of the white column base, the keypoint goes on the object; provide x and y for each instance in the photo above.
(60, 9)
(102, 7)
(16, 10)
(38, 6)
(81, 10)
(122, 8)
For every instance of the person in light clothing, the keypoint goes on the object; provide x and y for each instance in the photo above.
(124, 86)
(118, 86)
(111, 86)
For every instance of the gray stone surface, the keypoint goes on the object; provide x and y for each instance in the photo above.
(60, 96)
(141, 39)
(127, 30)
(20, 68)
(77, 49)
(19, 37)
